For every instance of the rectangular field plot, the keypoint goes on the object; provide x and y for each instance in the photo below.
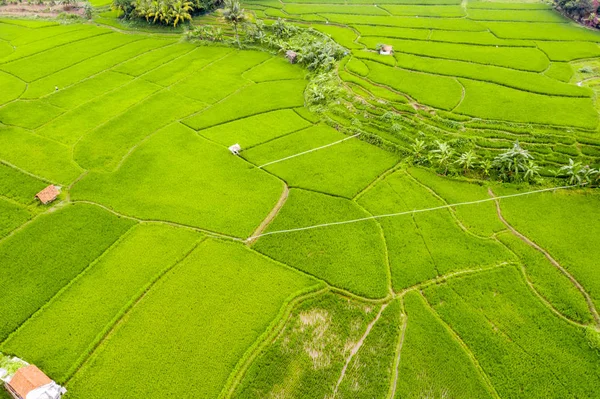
(277, 68)
(391, 32)
(251, 100)
(180, 177)
(343, 36)
(426, 245)
(523, 58)
(425, 11)
(407, 22)
(516, 15)
(28, 114)
(254, 130)
(436, 91)
(65, 78)
(48, 253)
(334, 9)
(350, 256)
(204, 314)
(519, 343)
(439, 370)
(75, 123)
(541, 31)
(483, 38)
(55, 59)
(490, 101)
(81, 314)
(342, 169)
(105, 147)
(12, 87)
(526, 81)
(154, 59)
(37, 155)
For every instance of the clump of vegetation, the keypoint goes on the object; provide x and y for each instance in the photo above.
(209, 33)
(165, 12)
(582, 11)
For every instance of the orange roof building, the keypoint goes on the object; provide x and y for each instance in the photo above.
(29, 382)
(48, 194)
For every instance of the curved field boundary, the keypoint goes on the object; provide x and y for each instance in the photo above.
(554, 262)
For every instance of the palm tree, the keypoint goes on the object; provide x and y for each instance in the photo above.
(486, 165)
(577, 173)
(443, 154)
(531, 171)
(418, 149)
(513, 161)
(181, 11)
(467, 160)
(235, 15)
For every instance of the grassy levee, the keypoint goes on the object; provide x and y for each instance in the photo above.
(179, 177)
(45, 255)
(440, 370)
(307, 357)
(521, 345)
(351, 257)
(424, 246)
(574, 244)
(342, 169)
(220, 299)
(80, 313)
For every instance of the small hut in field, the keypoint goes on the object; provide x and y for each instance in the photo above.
(30, 382)
(235, 149)
(48, 194)
(386, 49)
(292, 56)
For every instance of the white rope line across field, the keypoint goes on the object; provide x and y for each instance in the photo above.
(316, 226)
(306, 152)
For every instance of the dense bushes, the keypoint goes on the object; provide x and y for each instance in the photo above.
(166, 12)
(583, 11)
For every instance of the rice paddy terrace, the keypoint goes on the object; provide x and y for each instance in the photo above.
(168, 267)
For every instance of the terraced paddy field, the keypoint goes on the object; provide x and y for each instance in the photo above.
(335, 256)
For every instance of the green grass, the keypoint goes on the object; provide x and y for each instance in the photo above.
(48, 253)
(541, 31)
(18, 186)
(560, 71)
(37, 155)
(220, 299)
(393, 32)
(251, 100)
(12, 215)
(481, 218)
(28, 114)
(551, 283)
(154, 59)
(424, 246)
(458, 24)
(333, 9)
(149, 184)
(481, 38)
(440, 370)
(71, 126)
(516, 15)
(445, 11)
(574, 212)
(306, 359)
(254, 130)
(371, 370)
(12, 87)
(569, 51)
(526, 81)
(342, 169)
(523, 348)
(350, 256)
(105, 147)
(80, 314)
(436, 91)
(344, 36)
(522, 58)
(222, 78)
(518, 106)
(277, 68)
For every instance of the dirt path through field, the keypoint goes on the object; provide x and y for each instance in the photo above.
(265, 223)
(554, 262)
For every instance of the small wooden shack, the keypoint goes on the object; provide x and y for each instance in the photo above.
(292, 56)
(30, 382)
(48, 194)
(386, 49)
(235, 149)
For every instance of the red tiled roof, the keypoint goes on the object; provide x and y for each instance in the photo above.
(48, 194)
(28, 378)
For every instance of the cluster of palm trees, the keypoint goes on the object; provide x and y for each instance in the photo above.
(514, 164)
(167, 12)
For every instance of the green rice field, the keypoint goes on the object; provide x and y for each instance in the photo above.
(367, 241)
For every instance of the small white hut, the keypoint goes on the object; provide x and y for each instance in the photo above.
(235, 149)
